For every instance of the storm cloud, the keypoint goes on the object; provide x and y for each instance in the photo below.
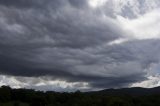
(72, 41)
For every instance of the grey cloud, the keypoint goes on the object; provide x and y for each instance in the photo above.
(79, 3)
(67, 27)
(62, 40)
(21, 3)
(41, 4)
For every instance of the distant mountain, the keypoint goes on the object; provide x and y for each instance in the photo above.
(135, 91)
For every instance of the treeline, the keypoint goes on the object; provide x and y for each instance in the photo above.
(28, 97)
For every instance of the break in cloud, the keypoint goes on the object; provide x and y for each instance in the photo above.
(65, 45)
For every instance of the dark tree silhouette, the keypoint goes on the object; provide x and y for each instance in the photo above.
(119, 97)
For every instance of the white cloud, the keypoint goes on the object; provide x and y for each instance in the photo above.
(41, 83)
(96, 3)
(153, 81)
(144, 27)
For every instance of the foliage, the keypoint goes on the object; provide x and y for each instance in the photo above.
(28, 97)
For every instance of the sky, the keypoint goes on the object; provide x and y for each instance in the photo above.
(69, 45)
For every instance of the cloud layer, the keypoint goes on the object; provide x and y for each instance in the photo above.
(73, 42)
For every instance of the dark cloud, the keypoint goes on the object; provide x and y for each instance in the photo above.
(67, 40)
(41, 3)
(21, 3)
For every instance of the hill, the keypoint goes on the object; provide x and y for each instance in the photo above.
(135, 91)
(107, 97)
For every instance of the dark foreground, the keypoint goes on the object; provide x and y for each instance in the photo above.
(110, 97)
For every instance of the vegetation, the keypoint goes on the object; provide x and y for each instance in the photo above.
(28, 97)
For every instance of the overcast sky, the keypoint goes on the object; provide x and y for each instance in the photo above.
(65, 45)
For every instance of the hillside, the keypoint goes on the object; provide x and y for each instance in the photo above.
(108, 97)
(135, 91)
